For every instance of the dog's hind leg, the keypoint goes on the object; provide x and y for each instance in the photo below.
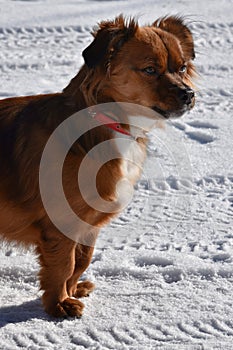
(83, 255)
(57, 258)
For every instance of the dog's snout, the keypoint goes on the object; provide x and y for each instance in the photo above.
(186, 95)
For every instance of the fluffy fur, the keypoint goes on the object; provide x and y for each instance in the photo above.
(150, 66)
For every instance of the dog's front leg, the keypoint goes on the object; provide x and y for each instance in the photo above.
(83, 255)
(57, 258)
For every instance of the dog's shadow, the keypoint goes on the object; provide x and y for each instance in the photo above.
(21, 313)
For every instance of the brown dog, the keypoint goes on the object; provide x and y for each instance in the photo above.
(149, 66)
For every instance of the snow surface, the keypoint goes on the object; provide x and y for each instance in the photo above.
(164, 268)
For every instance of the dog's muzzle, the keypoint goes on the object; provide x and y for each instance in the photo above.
(186, 96)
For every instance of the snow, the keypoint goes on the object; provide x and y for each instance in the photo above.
(164, 268)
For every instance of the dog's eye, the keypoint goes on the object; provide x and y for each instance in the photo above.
(183, 69)
(149, 70)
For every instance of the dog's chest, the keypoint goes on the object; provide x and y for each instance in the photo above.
(132, 156)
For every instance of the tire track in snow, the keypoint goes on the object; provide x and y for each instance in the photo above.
(222, 326)
(40, 31)
(52, 56)
(203, 330)
(214, 35)
(27, 341)
(169, 205)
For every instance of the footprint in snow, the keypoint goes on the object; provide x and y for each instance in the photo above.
(153, 260)
(222, 257)
(172, 274)
(203, 125)
(197, 135)
(200, 136)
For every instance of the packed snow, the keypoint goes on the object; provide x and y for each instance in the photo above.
(164, 268)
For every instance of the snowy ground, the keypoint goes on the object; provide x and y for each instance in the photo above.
(164, 268)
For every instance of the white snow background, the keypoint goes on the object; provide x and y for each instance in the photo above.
(163, 269)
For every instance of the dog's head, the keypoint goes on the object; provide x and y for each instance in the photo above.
(151, 65)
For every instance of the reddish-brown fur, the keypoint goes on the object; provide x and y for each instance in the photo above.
(114, 70)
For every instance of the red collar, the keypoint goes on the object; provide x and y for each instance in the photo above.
(109, 122)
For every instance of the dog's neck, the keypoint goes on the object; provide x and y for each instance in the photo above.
(110, 123)
(123, 123)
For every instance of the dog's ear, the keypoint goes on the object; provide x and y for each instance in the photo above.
(175, 25)
(108, 39)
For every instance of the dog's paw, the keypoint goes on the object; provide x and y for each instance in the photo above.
(84, 289)
(73, 307)
(68, 308)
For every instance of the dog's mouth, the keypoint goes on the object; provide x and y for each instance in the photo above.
(164, 114)
(171, 114)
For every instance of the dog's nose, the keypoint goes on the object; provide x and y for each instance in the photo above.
(186, 95)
